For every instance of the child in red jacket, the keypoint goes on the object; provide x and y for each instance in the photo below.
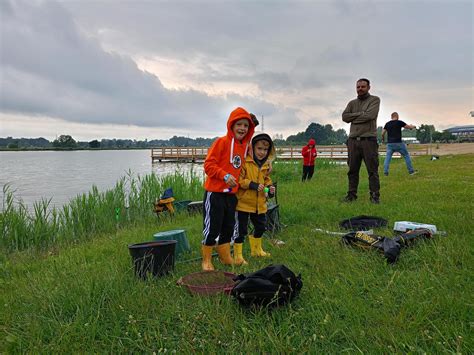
(222, 166)
(309, 156)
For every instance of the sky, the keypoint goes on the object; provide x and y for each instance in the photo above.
(140, 69)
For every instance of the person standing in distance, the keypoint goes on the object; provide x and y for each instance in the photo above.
(309, 154)
(362, 144)
(393, 129)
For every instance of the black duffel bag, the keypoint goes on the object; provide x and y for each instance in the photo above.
(389, 247)
(271, 286)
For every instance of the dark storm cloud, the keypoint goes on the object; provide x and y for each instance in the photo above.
(399, 40)
(49, 67)
(75, 60)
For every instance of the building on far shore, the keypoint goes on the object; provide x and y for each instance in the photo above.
(463, 133)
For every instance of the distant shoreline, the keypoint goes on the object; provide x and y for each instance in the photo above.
(436, 148)
(32, 149)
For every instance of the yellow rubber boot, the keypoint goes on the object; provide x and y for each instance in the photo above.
(238, 258)
(224, 254)
(253, 246)
(256, 247)
(206, 252)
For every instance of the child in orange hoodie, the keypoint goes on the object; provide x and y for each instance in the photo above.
(222, 166)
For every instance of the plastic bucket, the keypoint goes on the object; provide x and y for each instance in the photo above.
(155, 257)
(177, 234)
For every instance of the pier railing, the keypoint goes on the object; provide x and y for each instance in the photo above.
(336, 152)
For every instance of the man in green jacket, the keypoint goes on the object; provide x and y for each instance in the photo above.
(362, 144)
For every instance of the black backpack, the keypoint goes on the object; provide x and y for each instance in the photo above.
(271, 286)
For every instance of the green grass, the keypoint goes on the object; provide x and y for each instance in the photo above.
(82, 295)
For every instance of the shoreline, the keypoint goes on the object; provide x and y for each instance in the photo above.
(436, 148)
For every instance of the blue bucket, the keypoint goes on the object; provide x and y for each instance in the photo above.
(179, 235)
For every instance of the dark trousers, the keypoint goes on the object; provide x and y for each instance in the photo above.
(258, 221)
(366, 150)
(218, 217)
(308, 171)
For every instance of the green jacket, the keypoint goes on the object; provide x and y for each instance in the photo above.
(362, 115)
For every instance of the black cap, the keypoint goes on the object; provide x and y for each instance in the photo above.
(254, 119)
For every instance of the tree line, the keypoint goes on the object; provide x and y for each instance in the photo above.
(66, 141)
(323, 134)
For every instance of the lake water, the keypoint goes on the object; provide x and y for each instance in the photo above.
(62, 175)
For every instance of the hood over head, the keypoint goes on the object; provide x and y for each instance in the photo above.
(311, 142)
(262, 136)
(237, 114)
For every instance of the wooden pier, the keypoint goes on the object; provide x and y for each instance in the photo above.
(179, 154)
(335, 152)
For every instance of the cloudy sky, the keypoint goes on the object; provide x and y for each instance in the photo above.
(153, 69)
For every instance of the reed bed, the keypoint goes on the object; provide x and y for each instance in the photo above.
(129, 202)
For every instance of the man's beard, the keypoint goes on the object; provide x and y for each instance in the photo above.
(363, 96)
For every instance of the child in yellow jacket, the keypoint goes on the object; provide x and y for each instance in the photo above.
(252, 197)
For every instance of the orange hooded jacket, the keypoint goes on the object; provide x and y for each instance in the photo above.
(227, 155)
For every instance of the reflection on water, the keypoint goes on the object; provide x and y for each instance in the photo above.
(62, 175)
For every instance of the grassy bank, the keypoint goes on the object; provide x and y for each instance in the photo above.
(83, 295)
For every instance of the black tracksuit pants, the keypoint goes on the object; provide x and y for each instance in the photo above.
(258, 221)
(218, 217)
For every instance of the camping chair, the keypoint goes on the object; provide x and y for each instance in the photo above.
(273, 214)
(164, 203)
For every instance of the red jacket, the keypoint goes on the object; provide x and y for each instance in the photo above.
(226, 155)
(309, 155)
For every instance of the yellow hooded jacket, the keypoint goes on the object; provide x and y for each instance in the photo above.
(251, 200)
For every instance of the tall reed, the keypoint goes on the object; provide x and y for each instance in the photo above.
(129, 202)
